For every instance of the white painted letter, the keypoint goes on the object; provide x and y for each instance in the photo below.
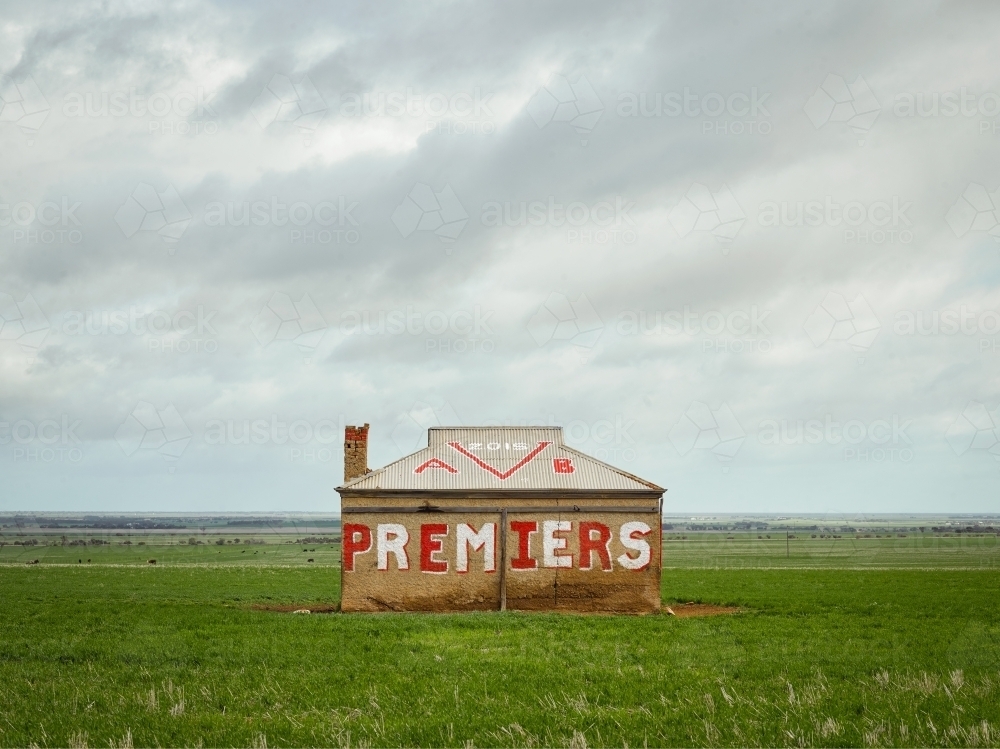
(552, 543)
(631, 536)
(485, 540)
(392, 539)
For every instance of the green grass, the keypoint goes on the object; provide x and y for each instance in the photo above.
(175, 655)
(276, 551)
(736, 550)
(912, 550)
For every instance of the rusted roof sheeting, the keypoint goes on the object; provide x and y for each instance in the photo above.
(507, 458)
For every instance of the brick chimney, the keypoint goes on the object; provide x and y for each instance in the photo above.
(355, 452)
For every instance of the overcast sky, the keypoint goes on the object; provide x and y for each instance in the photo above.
(743, 251)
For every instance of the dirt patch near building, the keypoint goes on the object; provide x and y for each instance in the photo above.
(685, 610)
(680, 610)
(291, 608)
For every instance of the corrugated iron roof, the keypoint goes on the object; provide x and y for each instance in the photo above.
(506, 458)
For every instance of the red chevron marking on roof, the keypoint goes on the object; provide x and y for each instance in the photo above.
(457, 446)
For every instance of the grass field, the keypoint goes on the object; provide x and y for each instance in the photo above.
(856, 651)
(275, 552)
(732, 550)
(908, 550)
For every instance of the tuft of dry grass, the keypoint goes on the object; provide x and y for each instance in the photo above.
(125, 742)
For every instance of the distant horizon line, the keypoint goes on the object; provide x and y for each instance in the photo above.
(679, 514)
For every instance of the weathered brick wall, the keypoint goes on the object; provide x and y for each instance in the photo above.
(556, 559)
(355, 452)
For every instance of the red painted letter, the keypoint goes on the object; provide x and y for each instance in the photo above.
(562, 465)
(434, 463)
(357, 540)
(430, 544)
(523, 560)
(589, 544)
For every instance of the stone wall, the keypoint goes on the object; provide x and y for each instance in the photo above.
(603, 559)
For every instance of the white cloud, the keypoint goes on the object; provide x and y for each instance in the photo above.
(279, 291)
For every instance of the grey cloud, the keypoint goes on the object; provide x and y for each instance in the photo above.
(648, 380)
